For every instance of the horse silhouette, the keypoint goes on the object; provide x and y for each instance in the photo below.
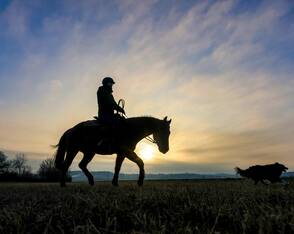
(85, 136)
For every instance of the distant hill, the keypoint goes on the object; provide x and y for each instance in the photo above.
(107, 176)
(288, 174)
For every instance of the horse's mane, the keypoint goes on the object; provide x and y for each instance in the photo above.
(143, 116)
(146, 119)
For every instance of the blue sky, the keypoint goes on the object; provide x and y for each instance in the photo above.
(222, 70)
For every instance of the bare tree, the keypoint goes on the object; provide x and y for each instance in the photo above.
(19, 164)
(48, 171)
(4, 163)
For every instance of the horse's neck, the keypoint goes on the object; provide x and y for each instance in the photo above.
(144, 126)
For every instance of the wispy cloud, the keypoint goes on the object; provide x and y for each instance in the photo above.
(218, 69)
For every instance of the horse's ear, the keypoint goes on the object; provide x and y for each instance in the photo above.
(169, 121)
(165, 118)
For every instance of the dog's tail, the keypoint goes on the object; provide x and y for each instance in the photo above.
(240, 171)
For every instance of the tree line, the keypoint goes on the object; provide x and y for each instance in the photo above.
(17, 169)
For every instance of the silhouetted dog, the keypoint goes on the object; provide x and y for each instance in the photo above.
(271, 172)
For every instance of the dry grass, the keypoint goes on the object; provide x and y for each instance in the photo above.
(159, 207)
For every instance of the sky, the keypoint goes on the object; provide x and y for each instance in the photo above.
(221, 70)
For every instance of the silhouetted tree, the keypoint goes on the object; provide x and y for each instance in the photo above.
(4, 163)
(49, 172)
(19, 164)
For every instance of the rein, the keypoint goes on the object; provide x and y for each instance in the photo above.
(151, 139)
(121, 103)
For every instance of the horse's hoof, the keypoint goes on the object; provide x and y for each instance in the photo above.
(140, 183)
(91, 183)
(115, 184)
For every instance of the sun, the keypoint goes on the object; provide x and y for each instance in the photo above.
(146, 151)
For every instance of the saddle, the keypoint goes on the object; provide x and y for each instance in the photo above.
(118, 119)
(114, 126)
(93, 123)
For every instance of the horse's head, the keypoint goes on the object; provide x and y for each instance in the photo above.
(161, 136)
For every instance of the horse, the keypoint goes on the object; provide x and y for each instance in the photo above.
(84, 137)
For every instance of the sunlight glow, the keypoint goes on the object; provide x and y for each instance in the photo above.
(146, 151)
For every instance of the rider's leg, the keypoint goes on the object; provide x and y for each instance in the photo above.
(108, 129)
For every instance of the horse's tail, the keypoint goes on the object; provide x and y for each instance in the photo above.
(60, 153)
(240, 171)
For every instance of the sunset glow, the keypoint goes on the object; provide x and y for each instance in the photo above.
(222, 70)
(146, 151)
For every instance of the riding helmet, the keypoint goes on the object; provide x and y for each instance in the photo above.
(107, 80)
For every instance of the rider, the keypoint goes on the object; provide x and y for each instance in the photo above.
(107, 106)
(106, 102)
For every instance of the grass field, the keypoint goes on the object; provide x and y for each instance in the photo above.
(223, 206)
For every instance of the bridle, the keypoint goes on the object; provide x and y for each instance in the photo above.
(121, 103)
(151, 139)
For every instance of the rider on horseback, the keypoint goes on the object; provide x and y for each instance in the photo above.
(107, 106)
(106, 102)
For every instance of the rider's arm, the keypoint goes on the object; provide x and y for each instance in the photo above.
(108, 100)
(114, 105)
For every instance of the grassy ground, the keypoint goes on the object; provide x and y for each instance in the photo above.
(159, 207)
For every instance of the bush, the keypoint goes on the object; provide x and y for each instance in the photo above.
(48, 171)
(4, 163)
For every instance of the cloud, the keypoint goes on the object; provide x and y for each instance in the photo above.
(56, 85)
(209, 66)
(16, 17)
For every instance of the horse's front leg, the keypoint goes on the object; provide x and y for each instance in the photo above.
(136, 159)
(119, 160)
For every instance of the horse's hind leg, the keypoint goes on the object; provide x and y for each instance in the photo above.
(83, 165)
(119, 160)
(66, 164)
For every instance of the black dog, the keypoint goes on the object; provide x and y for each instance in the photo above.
(271, 172)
